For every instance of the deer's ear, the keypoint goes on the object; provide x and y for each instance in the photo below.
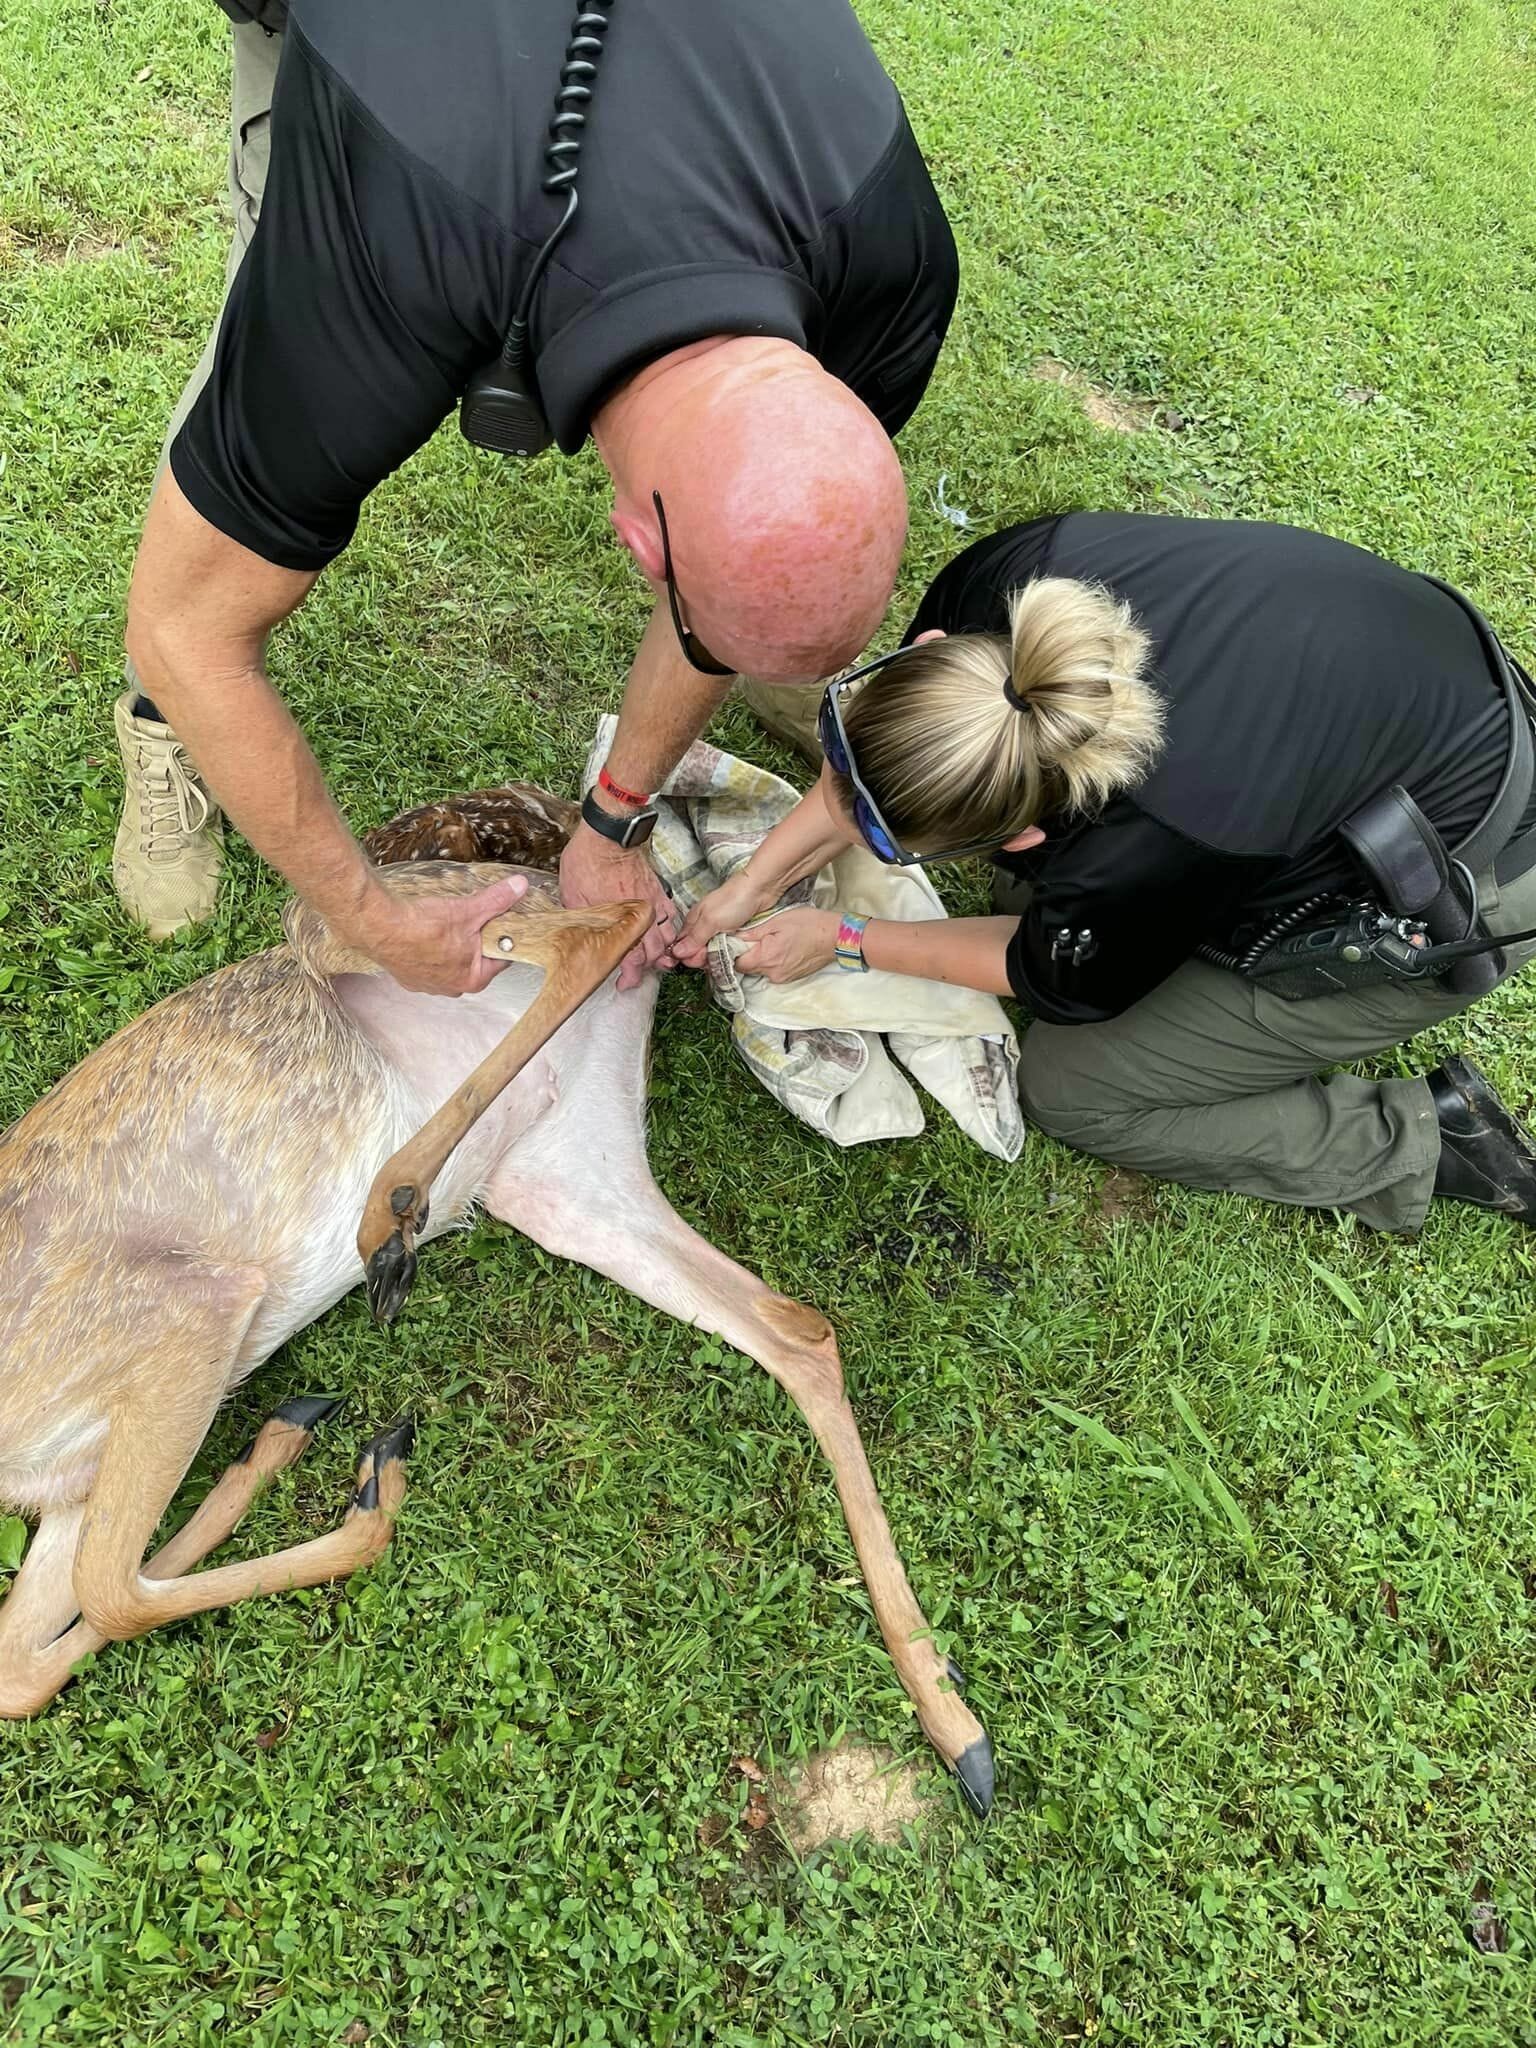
(641, 537)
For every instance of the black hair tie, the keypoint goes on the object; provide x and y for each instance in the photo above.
(1019, 703)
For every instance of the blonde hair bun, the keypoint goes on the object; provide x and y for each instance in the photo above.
(974, 737)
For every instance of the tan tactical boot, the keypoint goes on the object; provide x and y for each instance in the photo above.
(788, 712)
(170, 843)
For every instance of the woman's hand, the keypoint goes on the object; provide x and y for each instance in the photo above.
(734, 903)
(790, 946)
(803, 841)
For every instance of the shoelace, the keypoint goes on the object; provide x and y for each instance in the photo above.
(174, 808)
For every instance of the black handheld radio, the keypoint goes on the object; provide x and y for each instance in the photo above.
(501, 409)
(1357, 945)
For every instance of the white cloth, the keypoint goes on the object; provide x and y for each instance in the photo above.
(819, 1045)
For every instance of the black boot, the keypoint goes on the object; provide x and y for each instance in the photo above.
(1487, 1156)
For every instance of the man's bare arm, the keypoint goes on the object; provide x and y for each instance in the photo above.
(199, 612)
(666, 706)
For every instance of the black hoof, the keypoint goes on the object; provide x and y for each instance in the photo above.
(978, 1776)
(303, 1411)
(308, 1411)
(393, 1441)
(391, 1274)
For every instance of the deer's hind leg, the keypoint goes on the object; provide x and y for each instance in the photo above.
(578, 1184)
(280, 1442)
(175, 1388)
(37, 1644)
(121, 1597)
(39, 1647)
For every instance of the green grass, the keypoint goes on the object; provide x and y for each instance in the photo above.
(1263, 1707)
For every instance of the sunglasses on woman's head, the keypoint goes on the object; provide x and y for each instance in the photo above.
(876, 834)
(695, 653)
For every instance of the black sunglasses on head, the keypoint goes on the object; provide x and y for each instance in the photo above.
(876, 834)
(695, 653)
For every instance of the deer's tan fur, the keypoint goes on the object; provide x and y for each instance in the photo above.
(188, 1197)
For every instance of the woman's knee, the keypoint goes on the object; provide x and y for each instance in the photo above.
(1057, 1088)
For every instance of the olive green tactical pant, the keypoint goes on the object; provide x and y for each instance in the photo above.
(1213, 1081)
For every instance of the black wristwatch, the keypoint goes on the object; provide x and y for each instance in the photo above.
(626, 832)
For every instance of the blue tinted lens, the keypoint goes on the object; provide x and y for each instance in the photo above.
(876, 838)
(831, 740)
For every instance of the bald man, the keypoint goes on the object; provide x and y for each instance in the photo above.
(748, 305)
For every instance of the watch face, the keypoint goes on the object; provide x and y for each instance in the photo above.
(626, 832)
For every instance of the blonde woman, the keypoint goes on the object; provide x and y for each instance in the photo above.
(1156, 727)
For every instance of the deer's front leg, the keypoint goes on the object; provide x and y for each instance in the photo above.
(801, 1354)
(578, 950)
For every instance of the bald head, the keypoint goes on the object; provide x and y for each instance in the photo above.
(786, 505)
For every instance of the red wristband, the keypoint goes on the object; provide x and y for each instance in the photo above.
(625, 796)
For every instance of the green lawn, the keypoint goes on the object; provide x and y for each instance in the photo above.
(1255, 1788)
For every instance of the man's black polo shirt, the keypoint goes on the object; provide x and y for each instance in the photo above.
(747, 169)
(1300, 676)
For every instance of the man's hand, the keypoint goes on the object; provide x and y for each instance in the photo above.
(734, 903)
(790, 946)
(432, 943)
(594, 870)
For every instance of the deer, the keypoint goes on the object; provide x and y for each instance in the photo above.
(199, 1176)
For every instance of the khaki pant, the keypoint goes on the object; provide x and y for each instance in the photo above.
(250, 145)
(788, 711)
(1213, 1081)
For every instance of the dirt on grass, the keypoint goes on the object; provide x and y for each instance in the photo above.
(1101, 407)
(1124, 1193)
(80, 246)
(854, 1789)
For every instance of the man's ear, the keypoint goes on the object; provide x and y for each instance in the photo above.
(639, 534)
(1021, 842)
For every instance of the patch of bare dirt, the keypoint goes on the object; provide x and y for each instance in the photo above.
(50, 248)
(1125, 1193)
(182, 121)
(1099, 406)
(855, 1789)
(1489, 1933)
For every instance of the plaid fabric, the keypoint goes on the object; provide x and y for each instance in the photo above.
(832, 1048)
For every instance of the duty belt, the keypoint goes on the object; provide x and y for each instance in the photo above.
(1409, 863)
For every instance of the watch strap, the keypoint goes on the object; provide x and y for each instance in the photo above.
(627, 832)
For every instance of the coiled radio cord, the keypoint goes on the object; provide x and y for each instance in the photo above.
(561, 153)
(1288, 921)
(501, 409)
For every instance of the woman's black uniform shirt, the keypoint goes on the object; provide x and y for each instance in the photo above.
(1299, 676)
